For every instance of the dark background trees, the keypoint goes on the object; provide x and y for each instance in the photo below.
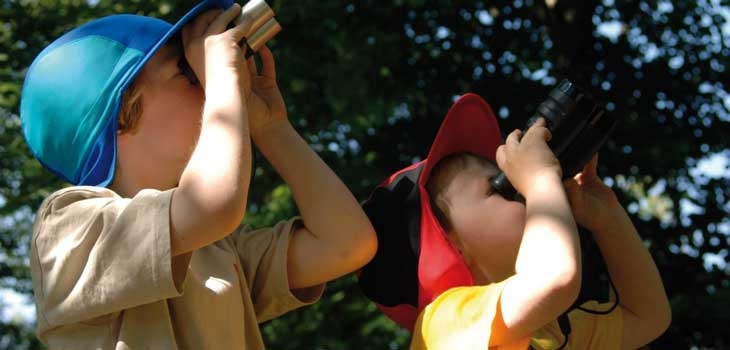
(368, 82)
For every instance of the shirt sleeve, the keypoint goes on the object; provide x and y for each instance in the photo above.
(461, 318)
(94, 253)
(263, 256)
(587, 330)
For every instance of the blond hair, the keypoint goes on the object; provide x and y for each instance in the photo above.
(442, 175)
(131, 109)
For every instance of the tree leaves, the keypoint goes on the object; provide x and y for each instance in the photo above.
(367, 84)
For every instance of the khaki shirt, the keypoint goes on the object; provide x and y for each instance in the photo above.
(103, 277)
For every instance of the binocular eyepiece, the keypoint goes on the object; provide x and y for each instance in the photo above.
(260, 25)
(579, 127)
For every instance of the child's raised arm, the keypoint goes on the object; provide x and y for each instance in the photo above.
(210, 200)
(645, 308)
(547, 278)
(337, 237)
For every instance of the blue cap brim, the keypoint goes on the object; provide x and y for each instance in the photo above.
(194, 12)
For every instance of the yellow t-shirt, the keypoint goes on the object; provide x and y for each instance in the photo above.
(103, 277)
(461, 318)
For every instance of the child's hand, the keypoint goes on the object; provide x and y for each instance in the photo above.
(213, 53)
(592, 202)
(526, 159)
(212, 50)
(266, 106)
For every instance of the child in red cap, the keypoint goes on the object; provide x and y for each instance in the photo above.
(464, 268)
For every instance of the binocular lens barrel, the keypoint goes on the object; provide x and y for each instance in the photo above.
(267, 31)
(254, 14)
(259, 24)
(579, 128)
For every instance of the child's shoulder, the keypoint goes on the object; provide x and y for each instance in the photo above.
(68, 210)
(82, 192)
(74, 209)
(85, 198)
(66, 196)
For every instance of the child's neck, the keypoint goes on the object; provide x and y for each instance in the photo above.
(123, 187)
(480, 278)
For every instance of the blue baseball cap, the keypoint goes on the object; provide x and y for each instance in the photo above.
(73, 90)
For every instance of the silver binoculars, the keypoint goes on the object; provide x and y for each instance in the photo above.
(260, 25)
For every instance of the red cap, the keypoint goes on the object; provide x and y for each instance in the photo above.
(415, 262)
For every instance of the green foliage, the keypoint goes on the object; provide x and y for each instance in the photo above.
(367, 84)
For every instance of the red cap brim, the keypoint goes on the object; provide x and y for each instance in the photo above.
(469, 126)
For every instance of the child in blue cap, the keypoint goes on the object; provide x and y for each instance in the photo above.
(146, 250)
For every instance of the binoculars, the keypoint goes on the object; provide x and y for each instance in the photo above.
(579, 127)
(260, 25)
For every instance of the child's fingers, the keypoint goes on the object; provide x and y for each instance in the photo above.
(221, 22)
(578, 178)
(268, 68)
(500, 156)
(200, 24)
(590, 169)
(513, 138)
(252, 66)
(539, 130)
(539, 122)
(570, 183)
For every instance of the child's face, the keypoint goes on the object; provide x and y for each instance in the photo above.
(486, 228)
(168, 129)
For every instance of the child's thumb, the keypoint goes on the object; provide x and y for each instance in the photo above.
(500, 156)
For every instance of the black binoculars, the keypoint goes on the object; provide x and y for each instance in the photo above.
(579, 127)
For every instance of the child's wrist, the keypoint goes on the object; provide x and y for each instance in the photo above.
(545, 181)
(271, 131)
(223, 94)
(612, 218)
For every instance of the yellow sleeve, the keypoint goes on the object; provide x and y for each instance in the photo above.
(460, 318)
(588, 331)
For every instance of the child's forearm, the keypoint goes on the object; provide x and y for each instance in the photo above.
(550, 232)
(210, 200)
(340, 236)
(547, 278)
(634, 274)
